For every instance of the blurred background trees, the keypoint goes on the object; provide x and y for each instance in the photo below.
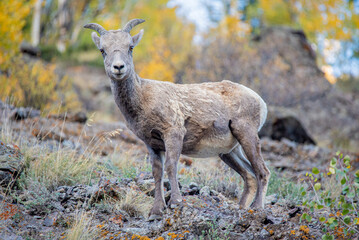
(56, 27)
(293, 52)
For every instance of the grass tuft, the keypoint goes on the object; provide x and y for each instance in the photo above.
(82, 229)
(136, 203)
(54, 169)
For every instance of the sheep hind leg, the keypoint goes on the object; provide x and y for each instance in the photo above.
(250, 187)
(247, 136)
(237, 161)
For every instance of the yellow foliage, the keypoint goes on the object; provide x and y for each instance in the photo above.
(158, 66)
(166, 44)
(232, 28)
(333, 18)
(12, 20)
(28, 83)
(167, 41)
(276, 12)
(37, 85)
(328, 74)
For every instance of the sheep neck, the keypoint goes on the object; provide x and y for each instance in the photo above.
(127, 96)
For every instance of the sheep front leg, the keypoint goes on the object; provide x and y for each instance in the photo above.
(157, 172)
(173, 144)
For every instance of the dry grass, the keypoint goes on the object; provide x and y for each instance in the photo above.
(82, 229)
(50, 164)
(131, 200)
(136, 203)
(6, 131)
(61, 167)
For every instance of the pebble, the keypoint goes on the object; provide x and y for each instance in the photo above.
(205, 191)
(193, 185)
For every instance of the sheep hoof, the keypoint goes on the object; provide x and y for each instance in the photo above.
(175, 204)
(154, 217)
(172, 206)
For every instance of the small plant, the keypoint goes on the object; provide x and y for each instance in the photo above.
(284, 187)
(125, 165)
(214, 232)
(337, 203)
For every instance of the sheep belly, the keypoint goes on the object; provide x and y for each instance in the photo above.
(213, 146)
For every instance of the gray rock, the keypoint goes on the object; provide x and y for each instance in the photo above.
(205, 191)
(50, 220)
(237, 236)
(264, 233)
(147, 184)
(23, 113)
(190, 191)
(214, 193)
(33, 229)
(272, 220)
(271, 199)
(11, 164)
(58, 206)
(114, 180)
(139, 231)
(10, 236)
(92, 190)
(68, 144)
(225, 204)
(193, 185)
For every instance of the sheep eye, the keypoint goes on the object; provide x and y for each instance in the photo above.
(131, 48)
(103, 52)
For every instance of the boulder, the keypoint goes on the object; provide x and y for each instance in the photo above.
(27, 48)
(23, 113)
(11, 164)
(79, 117)
(283, 123)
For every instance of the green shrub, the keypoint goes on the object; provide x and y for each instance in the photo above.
(284, 187)
(334, 205)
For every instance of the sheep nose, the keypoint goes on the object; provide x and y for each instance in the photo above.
(119, 67)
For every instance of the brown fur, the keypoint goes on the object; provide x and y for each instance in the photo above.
(200, 120)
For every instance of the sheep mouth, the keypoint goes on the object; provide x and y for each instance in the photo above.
(117, 75)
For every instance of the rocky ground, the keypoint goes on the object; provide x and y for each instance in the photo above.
(113, 202)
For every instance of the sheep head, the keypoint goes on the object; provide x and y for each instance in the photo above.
(116, 47)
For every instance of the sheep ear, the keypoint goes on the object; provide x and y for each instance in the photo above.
(96, 39)
(136, 39)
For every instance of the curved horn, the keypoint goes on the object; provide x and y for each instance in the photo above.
(131, 24)
(96, 27)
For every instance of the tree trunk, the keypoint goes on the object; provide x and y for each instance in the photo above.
(36, 23)
(64, 23)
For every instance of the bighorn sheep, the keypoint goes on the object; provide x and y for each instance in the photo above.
(198, 120)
